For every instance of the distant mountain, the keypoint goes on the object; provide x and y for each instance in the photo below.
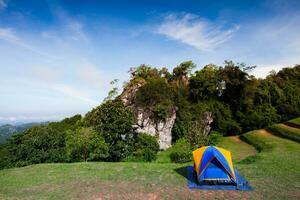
(7, 130)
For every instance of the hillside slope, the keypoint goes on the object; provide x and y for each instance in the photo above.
(274, 174)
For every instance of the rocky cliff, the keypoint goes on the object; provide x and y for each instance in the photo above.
(145, 122)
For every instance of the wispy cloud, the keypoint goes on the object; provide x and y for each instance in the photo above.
(3, 4)
(262, 70)
(9, 35)
(69, 27)
(197, 32)
(52, 78)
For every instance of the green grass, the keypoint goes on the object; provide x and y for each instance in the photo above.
(259, 144)
(285, 131)
(295, 121)
(275, 175)
(239, 149)
(164, 156)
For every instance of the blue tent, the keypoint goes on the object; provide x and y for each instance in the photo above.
(213, 169)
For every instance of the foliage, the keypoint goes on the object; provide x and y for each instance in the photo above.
(280, 167)
(195, 135)
(114, 121)
(39, 144)
(156, 96)
(145, 148)
(241, 103)
(181, 152)
(86, 144)
(214, 138)
(203, 84)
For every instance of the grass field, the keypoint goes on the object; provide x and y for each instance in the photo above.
(286, 131)
(294, 122)
(274, 174)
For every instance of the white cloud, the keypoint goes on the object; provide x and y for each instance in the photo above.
(69, 28)
(262, 70)
(3, 4)
(197, 32)
(9, 35)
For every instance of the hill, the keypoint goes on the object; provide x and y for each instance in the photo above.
(273, 171)
(7, 130)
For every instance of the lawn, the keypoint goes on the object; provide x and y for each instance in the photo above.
(294, 122)
(275, 174)
(286, 131)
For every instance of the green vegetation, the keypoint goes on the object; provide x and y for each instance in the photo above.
(285, 131)
(294, 122)
(256, 141)
(181, 152)
(238, 148)
(146, 148)
(7, 130)
(236, 102)
(275, 175)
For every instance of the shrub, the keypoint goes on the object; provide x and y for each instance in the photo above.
(146, 148)
(214, 138)
(181, 152)
(86, 144)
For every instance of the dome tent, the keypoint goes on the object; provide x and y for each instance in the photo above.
(213, 169)
(214, 165)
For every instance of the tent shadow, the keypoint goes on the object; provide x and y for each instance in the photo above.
(182, 171)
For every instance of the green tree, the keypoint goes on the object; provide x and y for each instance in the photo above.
(86, 144)
(115, 122)
(203, 85)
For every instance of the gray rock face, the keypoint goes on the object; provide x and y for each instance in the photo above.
(145, 123)
(161, 130)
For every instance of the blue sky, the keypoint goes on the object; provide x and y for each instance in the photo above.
(58, 57)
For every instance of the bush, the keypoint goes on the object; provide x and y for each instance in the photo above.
(214, 138)
(146, 148)
(181, 152)
(180, 156)
(86, 144)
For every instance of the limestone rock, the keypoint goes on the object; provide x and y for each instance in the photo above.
(146, 123)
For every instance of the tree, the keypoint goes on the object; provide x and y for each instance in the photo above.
(86, 144)
(114, 121)
(182, 71)
(156, 96)
(203, 85)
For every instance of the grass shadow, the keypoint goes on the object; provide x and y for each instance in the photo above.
(182, 171)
